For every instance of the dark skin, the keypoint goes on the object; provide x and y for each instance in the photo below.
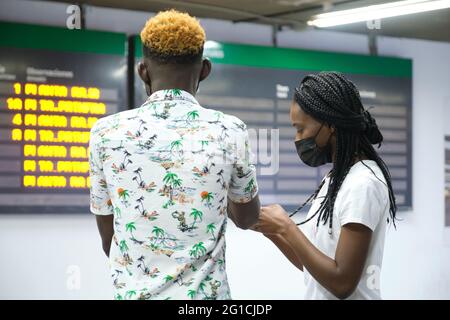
(105, 225)
(158, 76)
(342, 274)
(244, 215)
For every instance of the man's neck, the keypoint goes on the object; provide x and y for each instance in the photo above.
(175, 80)
(188, 88)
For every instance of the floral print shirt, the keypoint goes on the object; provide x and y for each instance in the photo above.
(165, 171)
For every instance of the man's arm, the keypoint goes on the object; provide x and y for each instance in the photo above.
(244, 215)
(106, 230)
(100, 200)
(243, 201)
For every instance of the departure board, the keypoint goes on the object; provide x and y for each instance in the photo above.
(256, 84)
(54, 85)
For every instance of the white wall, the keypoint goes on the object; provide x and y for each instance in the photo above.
(418, 254)
(37, 251)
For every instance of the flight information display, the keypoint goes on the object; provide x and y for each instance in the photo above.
(256, 84)
(54, 85)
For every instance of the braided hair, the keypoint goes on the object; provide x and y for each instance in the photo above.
(333, 99)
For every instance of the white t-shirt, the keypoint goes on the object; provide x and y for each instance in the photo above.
(362, 199)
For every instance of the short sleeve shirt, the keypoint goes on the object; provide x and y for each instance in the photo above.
(165, 171)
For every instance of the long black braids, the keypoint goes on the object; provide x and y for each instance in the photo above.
(333, 99)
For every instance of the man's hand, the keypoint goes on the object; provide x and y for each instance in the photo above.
(105, 226)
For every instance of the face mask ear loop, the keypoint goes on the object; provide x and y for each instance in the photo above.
(329, 138)
(317, 133)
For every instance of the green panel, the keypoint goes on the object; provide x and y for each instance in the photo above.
(61, 39)
(269, 57)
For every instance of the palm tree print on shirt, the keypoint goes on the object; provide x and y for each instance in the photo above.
(147, 144)
(142, 185)
(171, 182)
(191, 294)
(123, 165)
(123, 196)
(207, 198)
(152, 273)
(138, 133)
(130, 227)
(191, 116)
(197, 250)
(125, 260)
(152, 216)
(159, 170)
(211, 228)
(158, 235)
(197, 215)
(176, 147)
(250, 187)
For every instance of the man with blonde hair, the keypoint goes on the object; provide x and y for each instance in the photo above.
(165, 176)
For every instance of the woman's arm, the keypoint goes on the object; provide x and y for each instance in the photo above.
(340, 275)
(286, 249)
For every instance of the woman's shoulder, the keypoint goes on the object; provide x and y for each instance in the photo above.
(366, 177)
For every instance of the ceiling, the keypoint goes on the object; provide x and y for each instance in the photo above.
(433, 25)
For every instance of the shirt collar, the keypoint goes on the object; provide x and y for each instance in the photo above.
(171, 95)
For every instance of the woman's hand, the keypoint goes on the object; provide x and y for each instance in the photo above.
(273, 220)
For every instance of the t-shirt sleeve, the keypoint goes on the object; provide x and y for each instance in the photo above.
(243, 186)
(363, 202)
(100, 203)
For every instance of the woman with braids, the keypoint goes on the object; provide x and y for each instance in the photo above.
(340, 245)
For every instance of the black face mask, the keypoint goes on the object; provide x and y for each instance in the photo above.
(311, 154)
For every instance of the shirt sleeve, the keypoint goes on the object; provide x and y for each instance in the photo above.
(100, 203)
(243, 186)
(364, 202)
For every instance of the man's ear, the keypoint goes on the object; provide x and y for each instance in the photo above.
(142, 70)
(206, 69)
(145, 77)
